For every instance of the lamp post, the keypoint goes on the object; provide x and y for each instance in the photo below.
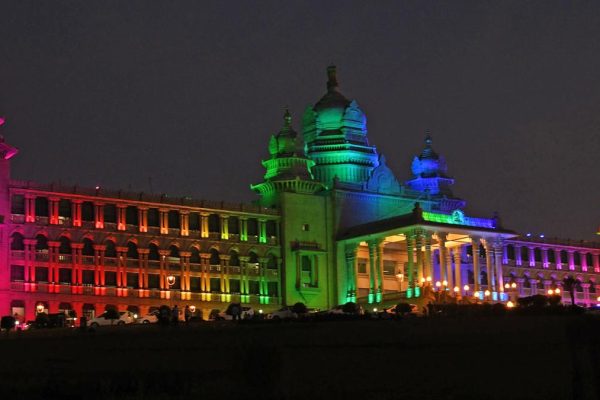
(487, 294)
(466, 290)
(170, 282)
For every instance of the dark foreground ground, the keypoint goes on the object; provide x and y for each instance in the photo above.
(439, 358)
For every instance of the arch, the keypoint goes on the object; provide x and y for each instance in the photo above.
(215, 258)
(65, 245)
(132, 251)
(88, 247)
(17, 241)
(253, 257)
(174, 251)
(234, 259)
(195, 255)
(153, 253)
(111, 248)
(41, 242)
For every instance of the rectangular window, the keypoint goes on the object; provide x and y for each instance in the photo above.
(132, 280)
(87, 277)
(110, 278)
(273, 288)
(153, 281)
(233, 224)
(253, 287)
(362, 265)
(87, 211)
(195, 284)
(173, 218)
(153, 217)
(194, 223)
(17, 273)
(64, 208)
(215, 285)
(305, 227)
(41, 206)
(306, 264)
(252, 227)
(41, 274)
(17, 204)
(64, 275)
(308, 272)
(110, 213)
(389, 267)
(234, 286)
(131, 215)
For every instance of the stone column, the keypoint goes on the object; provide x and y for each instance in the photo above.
(99, 280)
(596, 260)
(350, 253)
(244, 285)
(204, 272)
(121, 217)
(184, 270)
(243, 229)
(76, 212)
(163, 217)
(99, 215)
(442, 253)
(184, 223)
(30, 208)
(518, 255)
(545, 257)
(457, 267)
(143, 219)
(29, 263)
(410, 240)
(419, 241)
(531, 255)
(53, 210)
(76, 249)
(373, 267)
(143, 270)
(121, 267)
(163, 268)
(557, 259)
(224, 227)
(499, 274)
(476, 259)
(449, 275)
(488, 266)
(53, 266)
(571, 260)
(586, 293)
(534, 289)
(428, 263)
(583, 258)
(262, 231)
(224, 273)
(204, 225)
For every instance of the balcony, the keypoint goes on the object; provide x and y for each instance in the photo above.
(214, 235)
(195, 267)
(17, 254)
(17, 286)
(252, 239)
(153, 264)
(88, 289)
(88, 260)
(17, 219)
(64, 288)
(65, 258)
(41, 220)
(215, 268)
(234, 270)
(273, 273)
(253, 271)
(110, 261)
(133, 262)
(234, 237)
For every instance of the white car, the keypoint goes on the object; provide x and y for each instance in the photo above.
(283, 313)
(247, 313)
(125, 317)
(414, 310)
(150, 318)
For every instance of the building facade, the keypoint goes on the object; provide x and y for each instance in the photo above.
(332, 224)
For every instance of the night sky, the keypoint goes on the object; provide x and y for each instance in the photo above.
(181, 97)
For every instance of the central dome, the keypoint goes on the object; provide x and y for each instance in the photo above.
(332, 106)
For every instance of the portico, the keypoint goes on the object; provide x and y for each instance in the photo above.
(422, 252)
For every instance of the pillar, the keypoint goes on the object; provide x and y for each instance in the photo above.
(531, 255)
(99, 215)
(204, 225)
(53, 210)
(224, 227)
(163, 267)
(518, 255)
(350, 256)
(121, 217)
(442, 254)
(164, 221)
(476, 269)
(419, 240)
(488, 266)
(596, 261)
(410, 290)
(243, 229)
(457, 267)
(374, 254)
(184, 223)
(557, 259)
(583, 258)
(428, 271)
(262, 231)
(30, 208)
(497, 248)
(204, 272)
(76, 212)
(545, 257)
(143, 219)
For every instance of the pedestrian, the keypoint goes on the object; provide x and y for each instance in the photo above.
(187, 313)
(175, 315)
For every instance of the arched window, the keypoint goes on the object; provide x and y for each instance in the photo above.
(132, 250)
(111, 250)
(173, 251)
(214, 257)
(253, 258)
(272, 262)
(41, 243)
(16, 242)
(195, 256)
(88, 247)
(527, 282)
(65, 245)
(234, 260)
(578, 287)
(153, 253)
(592, 286)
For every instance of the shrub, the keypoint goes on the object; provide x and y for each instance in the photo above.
(350, 308)
(299, 308)
(539, 301)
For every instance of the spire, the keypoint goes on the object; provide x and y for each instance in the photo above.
(332, 83)
(428, 153)
(287, 118)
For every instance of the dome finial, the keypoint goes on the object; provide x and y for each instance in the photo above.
(428, 139)
(287, 118)
(332, 83)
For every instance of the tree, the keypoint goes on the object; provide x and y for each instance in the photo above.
(569, 284)
(299, 308)
(350, 308)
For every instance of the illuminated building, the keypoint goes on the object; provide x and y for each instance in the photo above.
(332, 224)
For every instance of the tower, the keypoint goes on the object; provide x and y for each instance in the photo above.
(429, 172)
(288, 169)
(335, 131)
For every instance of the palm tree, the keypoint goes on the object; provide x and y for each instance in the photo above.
(569, 284)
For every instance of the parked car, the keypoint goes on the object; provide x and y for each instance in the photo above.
(282, 313)
(150, 318)
(227, 315)
(107, 318)
(414, 310)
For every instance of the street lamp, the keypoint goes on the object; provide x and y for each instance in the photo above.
(487, 293)
(445, 283)
(170, 282)
(510, 304)
(438, 284)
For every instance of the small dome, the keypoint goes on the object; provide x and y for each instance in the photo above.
(331, 107)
